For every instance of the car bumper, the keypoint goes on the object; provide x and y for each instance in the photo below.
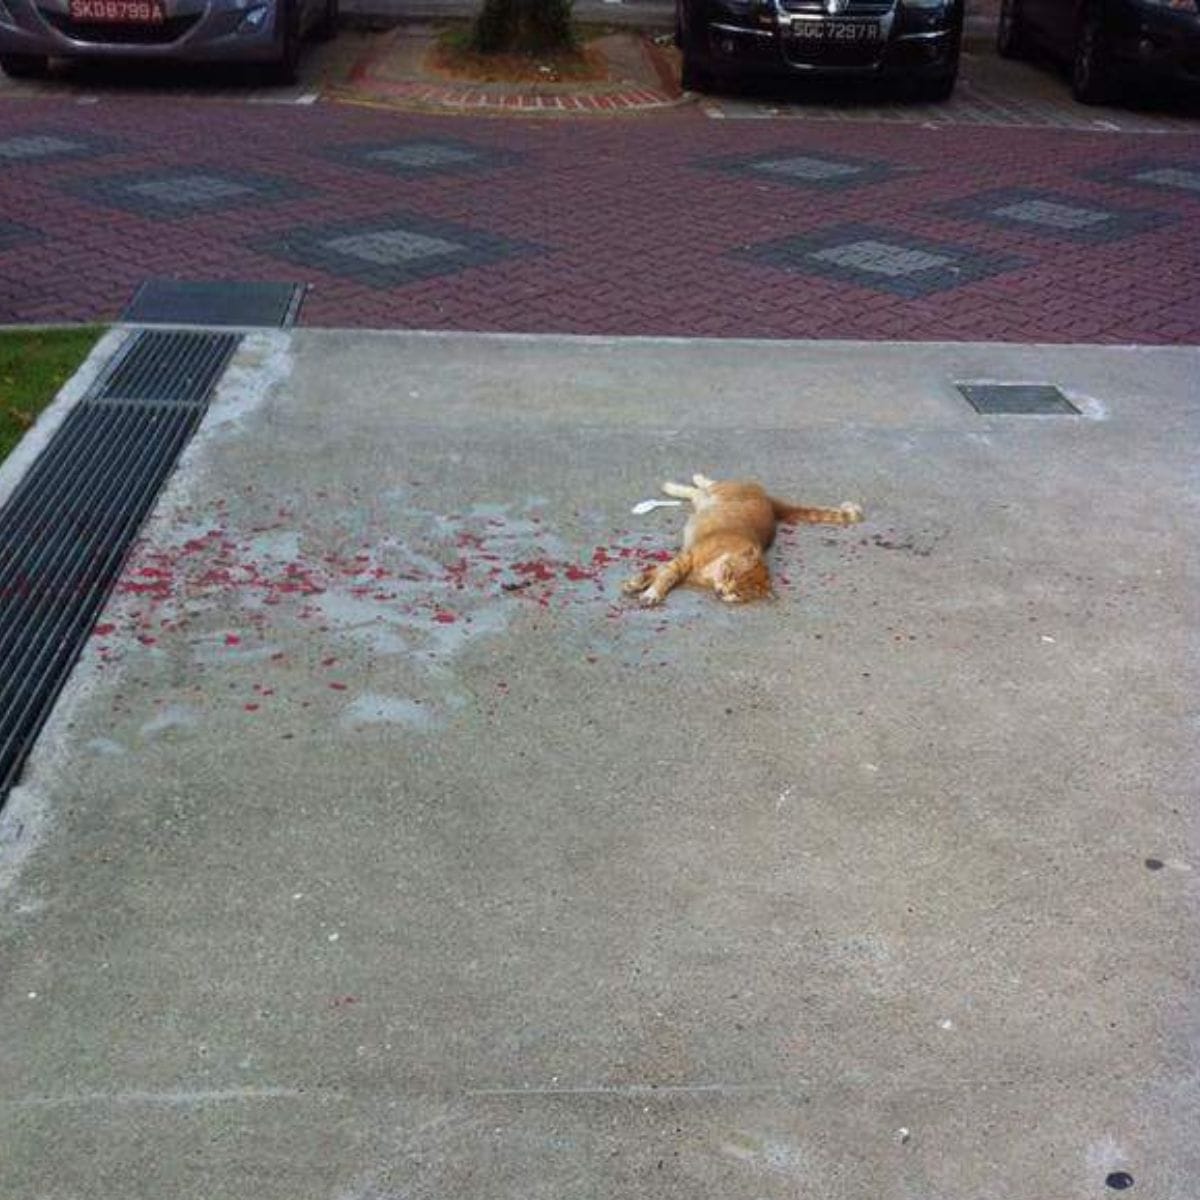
(215, 31)
(735, 48)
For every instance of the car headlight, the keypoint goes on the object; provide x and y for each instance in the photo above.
(1181, 6)
(254, 19)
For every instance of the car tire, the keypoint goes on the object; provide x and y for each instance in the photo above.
(285, 69)
(24, 66)
(937, 89)
(1091, 74)
(693, 77)
(1010, 32)
(327, 27)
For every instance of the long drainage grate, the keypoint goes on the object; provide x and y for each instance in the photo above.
(66, 529)
(167, 367)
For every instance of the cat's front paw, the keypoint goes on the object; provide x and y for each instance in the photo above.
(852, 512)
(650, 598)
(636, 584)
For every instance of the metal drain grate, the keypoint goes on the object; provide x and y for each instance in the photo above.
(167, 367)
(66, 529)
(1017, 399)
(191, 302)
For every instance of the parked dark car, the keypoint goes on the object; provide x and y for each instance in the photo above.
(916, 41)
(1106, 41)
(257, 31)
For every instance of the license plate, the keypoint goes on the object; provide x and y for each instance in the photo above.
(835, 31)
(119, 12)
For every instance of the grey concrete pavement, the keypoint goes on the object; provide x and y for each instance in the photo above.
(378, 851)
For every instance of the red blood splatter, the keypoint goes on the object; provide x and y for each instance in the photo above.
(232, 639)
(338, 687)
(250, 707)
(104, 630)
(456, 573)
(444, 618)
(146, 639)
(328, 662)
(538, 569)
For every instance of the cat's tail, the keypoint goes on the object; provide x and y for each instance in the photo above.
(794, 514)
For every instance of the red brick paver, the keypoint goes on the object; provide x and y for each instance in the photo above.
(636, 233)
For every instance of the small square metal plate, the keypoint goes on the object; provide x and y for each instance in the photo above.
(191, 302)
(1021, 399)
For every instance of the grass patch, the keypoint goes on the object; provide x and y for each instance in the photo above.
(34, 364)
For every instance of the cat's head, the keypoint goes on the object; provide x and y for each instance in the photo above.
(743, 576)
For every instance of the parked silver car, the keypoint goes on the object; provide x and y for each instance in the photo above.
(256, 31)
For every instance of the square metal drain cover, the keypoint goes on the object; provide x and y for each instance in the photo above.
(192, 302)
(1028, 399)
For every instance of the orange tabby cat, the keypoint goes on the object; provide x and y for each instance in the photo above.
(726, 539)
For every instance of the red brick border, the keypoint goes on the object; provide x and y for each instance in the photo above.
(476, 99)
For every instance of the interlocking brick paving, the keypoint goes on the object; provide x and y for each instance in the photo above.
(628, 226)
(807, 170)
(395, 250)
(1054, 214)
(12, 233)
(1158, 174)
(47, 145)
(412, 156)
(180, 191)
(877, 258)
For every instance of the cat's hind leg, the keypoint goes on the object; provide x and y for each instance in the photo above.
(702, 482)
(681, 491)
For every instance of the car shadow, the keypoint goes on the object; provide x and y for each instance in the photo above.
(135, 76)
(829, 94)
(850, 96)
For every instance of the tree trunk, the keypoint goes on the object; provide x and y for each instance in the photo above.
(524, 26)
